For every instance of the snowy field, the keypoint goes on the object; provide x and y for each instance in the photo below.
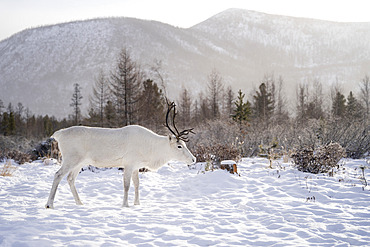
(182, 207)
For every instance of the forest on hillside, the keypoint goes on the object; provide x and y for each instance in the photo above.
(231, 123)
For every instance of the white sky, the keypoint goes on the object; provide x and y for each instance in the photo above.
(17, 15)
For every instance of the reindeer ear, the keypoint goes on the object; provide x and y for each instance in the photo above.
(172, 138)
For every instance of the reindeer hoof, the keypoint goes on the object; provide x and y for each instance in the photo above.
(49, 206)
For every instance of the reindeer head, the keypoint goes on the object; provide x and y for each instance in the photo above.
(177, 139)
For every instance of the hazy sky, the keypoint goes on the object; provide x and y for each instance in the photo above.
(17, 15)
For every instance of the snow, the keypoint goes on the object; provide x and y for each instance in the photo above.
(182, 207)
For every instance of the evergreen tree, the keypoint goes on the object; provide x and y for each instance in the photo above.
(76, 102)
(48, 126)
(354, 109)
(4, 123)
(263, 104)
(110, 114)
(339, 105)
(151, 112)
(242, 110)
(10, 130)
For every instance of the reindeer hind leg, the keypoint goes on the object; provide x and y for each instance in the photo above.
(71, 181)
(57, 178)
(135, 180)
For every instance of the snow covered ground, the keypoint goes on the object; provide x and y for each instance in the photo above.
(182, 207)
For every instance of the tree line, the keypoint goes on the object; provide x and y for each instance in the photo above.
(127, 95)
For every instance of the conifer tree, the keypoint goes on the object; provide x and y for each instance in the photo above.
(110, 114)
(76, 102)
(339, 105)
(242, 110)
(10, 130)
(4, 123)
(263, 104)
(151, 111)
(354, 109)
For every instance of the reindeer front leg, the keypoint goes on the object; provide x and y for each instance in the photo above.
(126, 185)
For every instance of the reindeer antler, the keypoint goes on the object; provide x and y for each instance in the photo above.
(183, 135)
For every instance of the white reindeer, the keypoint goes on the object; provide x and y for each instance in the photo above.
(131, 147)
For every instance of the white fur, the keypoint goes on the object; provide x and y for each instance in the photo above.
(131, 147)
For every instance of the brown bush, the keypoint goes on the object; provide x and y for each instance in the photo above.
(216, 153)
(321, 160)
(16, 155)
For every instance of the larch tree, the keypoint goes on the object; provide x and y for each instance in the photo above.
(99, 99)
(76, 103)
(229, 102)
(365, 95)
(125, 86)
(281, 113)
(302, 96)
(185, 108)
(1, 107)
(215, 90)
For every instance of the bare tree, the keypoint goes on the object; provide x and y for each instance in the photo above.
(125, 86)
(185, 108)
(215, 90)
(281, 112)
(158, 74)
(365, 95)
(302, 95)
(229, 102)
(99, 98)
(269, 81)
(1, 106)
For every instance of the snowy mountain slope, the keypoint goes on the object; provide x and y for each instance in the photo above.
(182, 207)
(243, 45)
(50, 59)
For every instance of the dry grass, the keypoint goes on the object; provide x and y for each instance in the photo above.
(8, 169)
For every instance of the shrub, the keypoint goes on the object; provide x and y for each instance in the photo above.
(320, 160)
(16, 155)
(7, 170)
(216, 153)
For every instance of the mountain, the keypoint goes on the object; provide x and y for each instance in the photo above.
(39, 66)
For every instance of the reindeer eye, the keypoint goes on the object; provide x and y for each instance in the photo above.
(179, 146)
